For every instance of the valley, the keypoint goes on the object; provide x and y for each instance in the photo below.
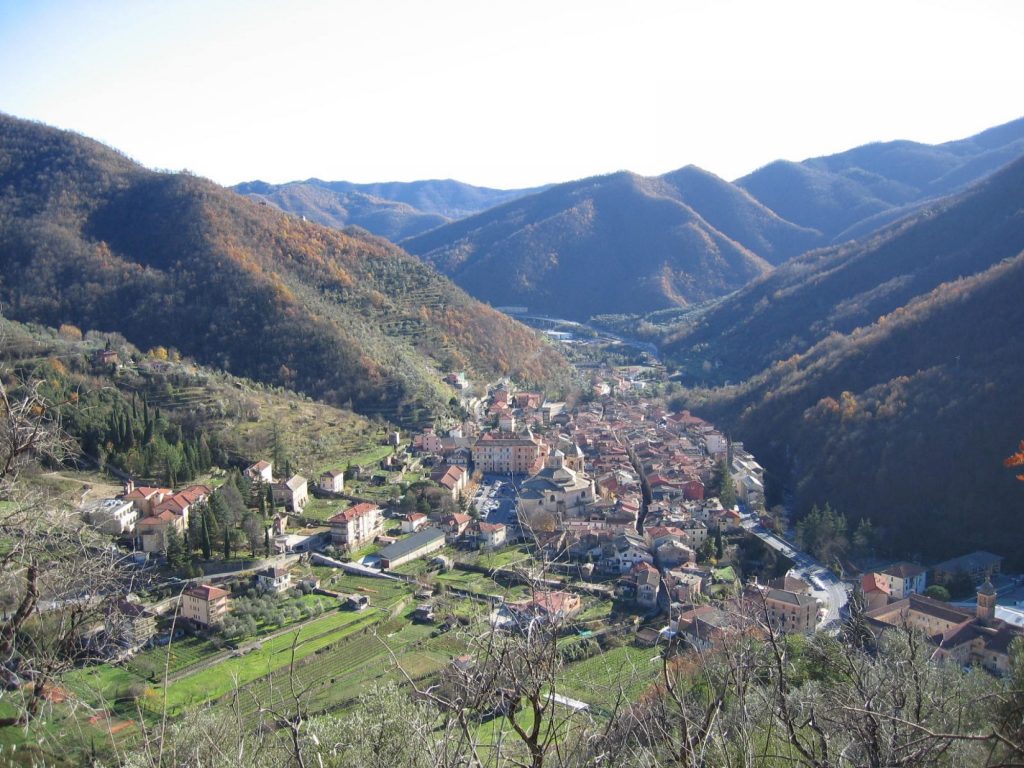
(266, 476)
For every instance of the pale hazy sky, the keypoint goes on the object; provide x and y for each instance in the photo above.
(504, 93)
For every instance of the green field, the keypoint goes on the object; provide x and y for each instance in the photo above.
(225, 676)
(336, 676)
(601, 679)
(179, 655)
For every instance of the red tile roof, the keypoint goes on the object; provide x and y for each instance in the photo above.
(206, 592)
(353, 513)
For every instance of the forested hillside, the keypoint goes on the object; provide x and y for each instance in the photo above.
(842, 288)
(88, 237)
(169, 420)
(885, 378)
(618, 243)
(395, 210)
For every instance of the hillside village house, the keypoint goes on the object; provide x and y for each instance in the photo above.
(130, 625)
(274, 579)
(260, 472)
(788, 611)
(648, 582)
(491, 535)
(452, 478)
(546, 608)
(356, 526)
(151, 531)
(333, 481)
(979, 566)
(161, 509)
(904, 578)
(455, 525)
(205, 605)
(182, 502)
(413, 522)
(876, 590)
(293, 493)
(112, 516)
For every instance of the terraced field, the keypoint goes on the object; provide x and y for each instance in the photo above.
(336, 676)
(171, 659)
(235, 672)
(602, 679)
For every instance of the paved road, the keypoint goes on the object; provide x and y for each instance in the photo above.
(826, 586)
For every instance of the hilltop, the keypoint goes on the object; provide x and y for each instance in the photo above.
(625, 244)
(615, 243)
(852, 193)
(90, 238)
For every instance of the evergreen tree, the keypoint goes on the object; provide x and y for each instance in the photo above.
(176, 556)
(227, 543)
(727, 489)
(266, 541)
(719, 546)
(864, 537)
(211, 525)
(204, 542)
(205, 457)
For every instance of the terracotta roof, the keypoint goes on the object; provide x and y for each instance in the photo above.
(352, 513)
(144, 492)
(206, 592)
(160, 519)
(551, 602)
(873, 582)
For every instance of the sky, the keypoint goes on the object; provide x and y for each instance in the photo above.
(506, 94)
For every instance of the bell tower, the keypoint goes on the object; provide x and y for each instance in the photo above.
(986, 601)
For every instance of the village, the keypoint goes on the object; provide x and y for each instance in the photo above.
(614, 521)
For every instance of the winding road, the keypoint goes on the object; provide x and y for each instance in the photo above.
(825, 585)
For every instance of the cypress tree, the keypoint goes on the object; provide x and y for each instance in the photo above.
(204, 541)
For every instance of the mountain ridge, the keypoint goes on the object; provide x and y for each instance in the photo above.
(394, 210)
(90, 238)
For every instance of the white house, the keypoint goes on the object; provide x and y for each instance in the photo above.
(333, 481)
(413, 522)
(491, 535)
(274, 579)
(293, 492)
(113, 516)
(905, 579)
(261, 471)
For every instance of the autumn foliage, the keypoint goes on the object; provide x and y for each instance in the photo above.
(1016, 460)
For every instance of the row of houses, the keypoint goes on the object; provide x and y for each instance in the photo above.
(146, 513)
